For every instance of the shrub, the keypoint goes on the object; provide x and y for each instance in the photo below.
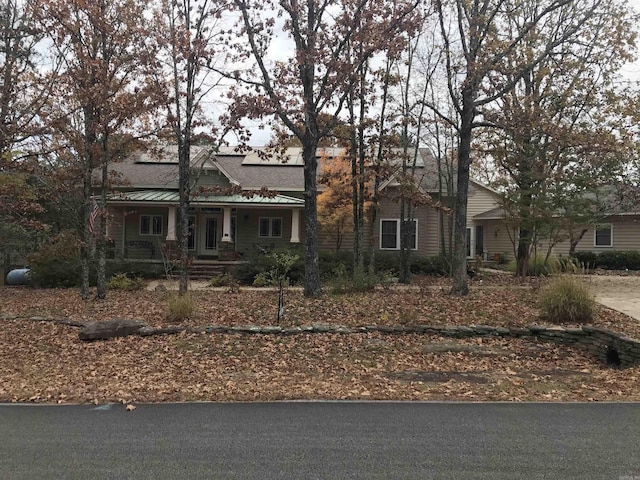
(619, 260)
(57, 263)
(438, 265)
(222, 280)
(122, 282)
(567, 265)
(344, 282)
(260, 280)
(387, 262)
(329, 261)
(180, 308)
(567, 300)
(264, 263)
(586, 259)
(540, 266)
(133, 269)
(537, 266)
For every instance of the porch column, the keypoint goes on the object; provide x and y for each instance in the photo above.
(109, 223)
(226, 224)
(171, 225)
(295, 225)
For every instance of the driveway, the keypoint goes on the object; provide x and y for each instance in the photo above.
(622, 293)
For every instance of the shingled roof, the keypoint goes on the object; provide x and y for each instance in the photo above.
(253, 170)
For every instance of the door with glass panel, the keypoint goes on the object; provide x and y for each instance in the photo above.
(208, 235)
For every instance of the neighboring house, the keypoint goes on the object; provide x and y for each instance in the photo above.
(229, 219)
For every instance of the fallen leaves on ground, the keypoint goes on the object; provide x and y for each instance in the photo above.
(45, 362)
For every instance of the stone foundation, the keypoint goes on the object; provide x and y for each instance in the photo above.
(226, 251)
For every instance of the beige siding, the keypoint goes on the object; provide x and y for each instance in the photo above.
(427, 218)
(625, 236)
(496, 238)
(480, 200)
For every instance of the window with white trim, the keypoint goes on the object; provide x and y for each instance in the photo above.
(270, 227)
(390, 234)
(603, 235)
(151, 224)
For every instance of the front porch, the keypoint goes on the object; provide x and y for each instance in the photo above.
(145, 227)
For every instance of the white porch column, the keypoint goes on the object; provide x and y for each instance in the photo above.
(226, 224)
(295, 225)
(171, 225)
(109, 223)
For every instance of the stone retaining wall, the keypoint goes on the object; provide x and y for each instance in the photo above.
(612, 348)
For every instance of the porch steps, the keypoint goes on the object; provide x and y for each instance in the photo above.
(207, 271)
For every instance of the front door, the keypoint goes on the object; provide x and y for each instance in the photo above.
(208, 235)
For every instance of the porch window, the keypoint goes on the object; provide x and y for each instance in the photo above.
(390, 234)
(151, 224)
(270, 227)
(603, 236)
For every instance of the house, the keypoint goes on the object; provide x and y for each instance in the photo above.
(231, 214)
(225, 219)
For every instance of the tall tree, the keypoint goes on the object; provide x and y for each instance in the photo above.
(560, 134)
(106, 84)
(19, 75)
(22, 94)
(190, 33)
(479, 36)
(335, 201)
(315, 78)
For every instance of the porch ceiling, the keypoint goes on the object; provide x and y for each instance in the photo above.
(165, 197)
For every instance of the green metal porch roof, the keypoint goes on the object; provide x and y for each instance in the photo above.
(172, 197)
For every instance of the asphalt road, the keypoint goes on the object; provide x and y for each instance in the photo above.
(322, 441)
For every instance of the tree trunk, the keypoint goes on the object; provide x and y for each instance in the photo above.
(89, 141)
(353, 154)
(101, 264)
(459, 254)
(573, 242)
(522, 253)
(101, 247)
(312, 271)
(405, 252)
(184, 160)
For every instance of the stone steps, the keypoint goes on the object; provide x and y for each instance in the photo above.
(206, 271)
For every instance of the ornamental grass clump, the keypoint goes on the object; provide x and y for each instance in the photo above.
(121, 281)
(180, 308)
(567, 300)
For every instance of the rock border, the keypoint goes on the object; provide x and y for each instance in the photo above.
(612, 348)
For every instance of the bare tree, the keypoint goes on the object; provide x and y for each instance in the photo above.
(479, 36)
(107, 85)
(560, 136)
(308, 90)
(190, 33)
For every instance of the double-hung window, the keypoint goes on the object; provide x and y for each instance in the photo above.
(151, 224)
(603, 235)
(390, 234)
(270, 227)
